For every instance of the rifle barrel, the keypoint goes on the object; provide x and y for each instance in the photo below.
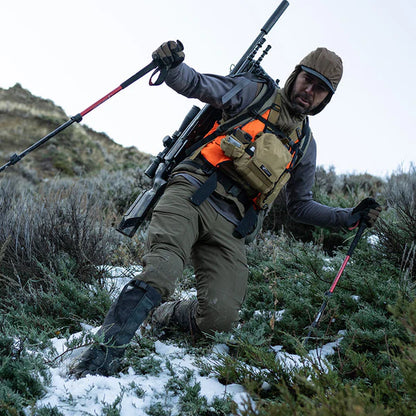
(275, 16)
(265, 29)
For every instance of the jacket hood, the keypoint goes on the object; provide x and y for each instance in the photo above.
(322, 63)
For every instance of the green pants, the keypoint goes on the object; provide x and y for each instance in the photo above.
(179, 231)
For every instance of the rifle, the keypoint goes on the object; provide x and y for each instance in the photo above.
(194, 127)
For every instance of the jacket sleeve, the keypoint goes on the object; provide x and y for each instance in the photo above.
(300, 203)
(213, 89)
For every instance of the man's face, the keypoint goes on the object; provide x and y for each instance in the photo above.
(308, 92)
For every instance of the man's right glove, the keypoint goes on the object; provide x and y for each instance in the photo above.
(169, 54)
(367, 210)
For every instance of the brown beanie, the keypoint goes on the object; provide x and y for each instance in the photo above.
(324, 64)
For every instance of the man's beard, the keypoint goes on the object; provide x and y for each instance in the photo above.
(298, 107)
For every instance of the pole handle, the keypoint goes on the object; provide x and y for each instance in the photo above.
(139, 74)
(357, 237)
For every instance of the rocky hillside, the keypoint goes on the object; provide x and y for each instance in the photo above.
(78, 150)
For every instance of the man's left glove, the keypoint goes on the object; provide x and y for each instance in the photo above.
(367, 210)
(169, 54)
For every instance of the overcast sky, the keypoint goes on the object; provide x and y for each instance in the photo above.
(76, 52)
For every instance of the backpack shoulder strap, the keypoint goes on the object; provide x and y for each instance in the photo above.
(304, 142)
(262, 101)
(275, 109)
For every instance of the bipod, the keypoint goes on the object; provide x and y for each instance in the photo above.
(329, 293)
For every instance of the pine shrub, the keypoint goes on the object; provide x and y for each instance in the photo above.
(397, 227)
(23, 375)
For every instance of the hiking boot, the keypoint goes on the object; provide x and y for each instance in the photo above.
(180, 314)
(125, 316)
(98, 360)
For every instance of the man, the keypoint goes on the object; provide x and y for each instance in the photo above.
(216, 199)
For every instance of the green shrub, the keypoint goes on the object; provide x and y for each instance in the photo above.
(47, 411)
(23, 375)
(397, 227)
(60, 303)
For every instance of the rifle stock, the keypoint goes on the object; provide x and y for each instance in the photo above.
(159, 171)
(195, 125)
(140, 208)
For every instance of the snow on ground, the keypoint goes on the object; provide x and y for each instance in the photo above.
(91, 394)
(317, 355)
(132, 393)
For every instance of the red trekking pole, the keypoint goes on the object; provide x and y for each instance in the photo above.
(78, 118)
(329, 293)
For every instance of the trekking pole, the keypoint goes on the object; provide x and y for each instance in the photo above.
(78, 118)
(329, 293)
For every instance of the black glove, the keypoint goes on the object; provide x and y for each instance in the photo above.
(169, 54)
(367, 210)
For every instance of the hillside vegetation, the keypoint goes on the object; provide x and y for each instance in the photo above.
(56, 235)
(78, 150)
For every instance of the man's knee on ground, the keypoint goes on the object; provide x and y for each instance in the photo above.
(213, 320)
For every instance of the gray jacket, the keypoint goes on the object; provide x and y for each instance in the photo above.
(211, 89)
